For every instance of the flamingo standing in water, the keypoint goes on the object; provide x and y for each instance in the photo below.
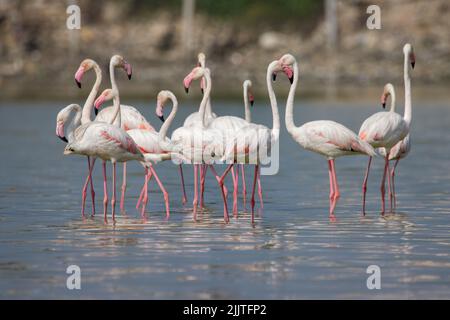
(386, 129)
(131, 117)
(401, 149)
(108, 142)
(147, 142)
(194, 142)
(327, 138)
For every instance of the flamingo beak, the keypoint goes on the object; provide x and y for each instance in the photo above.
(413, 63)
(251, 99)
(78, 76)
(60, 131)
(100, 100)
(383, 104)
(274, 76)
(161, 118)
(289, 73)
(187, 82)
(128, 69)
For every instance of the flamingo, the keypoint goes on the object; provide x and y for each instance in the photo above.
(194, 141)
(131, 117)
(108, 142)
(147, 142)
(327, 138)
(254, 141)
(386, 129)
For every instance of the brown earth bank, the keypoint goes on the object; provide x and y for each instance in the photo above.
(39, 55)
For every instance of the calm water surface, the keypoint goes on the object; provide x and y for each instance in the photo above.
(293, 251)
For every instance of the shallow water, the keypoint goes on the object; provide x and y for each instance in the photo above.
(293, 251)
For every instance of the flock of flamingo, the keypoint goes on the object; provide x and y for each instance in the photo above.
(120, 133)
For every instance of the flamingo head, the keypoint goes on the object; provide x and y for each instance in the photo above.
(285, 65)
(195, 74)
(248, 87)
(408, 50)
(119, 62)
(106, 95)
(387, 91)
(161, 101)
(62, 118)
(85, 66)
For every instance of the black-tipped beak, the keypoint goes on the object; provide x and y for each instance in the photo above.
(161, 118)
(78, 83)
(96, 111)
(186, 89)
(383, 105)
(291, 79)
(252, 103)
(413, 64)
(129, 76)
(202, 90)
(63, 139)
(274, 76)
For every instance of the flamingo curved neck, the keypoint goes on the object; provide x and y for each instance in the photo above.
(273, 101)
(165, 127)
(116, 116)
(87, 108)
(289, 117)
(205, 98)
(392, 94)
(75, 123)
(407, 79)
(248, 115)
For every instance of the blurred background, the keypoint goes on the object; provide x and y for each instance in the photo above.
(161, 38)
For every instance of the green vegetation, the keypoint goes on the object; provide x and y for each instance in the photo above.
(247, 10)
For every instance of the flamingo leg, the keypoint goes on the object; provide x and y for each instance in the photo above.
(252, 201)
(124, 188)
(330, 174)
(224, 196)
(195, 201)
(84, 191)
(260, 194)
(364, 187)
(235, 190)
(183, 188)
(163, 190)
(113, 198)
(383, 181)
(394, 200)
(147, 177)
(244, 187)
(337, 194)
(218, 180)
(92, 186)
(388, 173)
(203, 169)
(105, 194)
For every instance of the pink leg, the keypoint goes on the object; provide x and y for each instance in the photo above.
(260, 194)
(218, 179)
(224, 196)
(84, 191)
(394, 200)
(92, 187)
(183, 188)
(330, 173)
(235, 191)
(195, 202)
(113, 198)
(105, 194)
(124, 188)
(388, 173)
(364, 187)
(386, 166)
(336, 188)
(163, 190)
(252, 201)
(203, 169)
(244, 187)
(147, 177)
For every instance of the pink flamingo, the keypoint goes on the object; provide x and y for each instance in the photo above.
(147, 142)
(108, 142)
(327, 138)
(386, 129)
(131, 117)
(194, 142)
